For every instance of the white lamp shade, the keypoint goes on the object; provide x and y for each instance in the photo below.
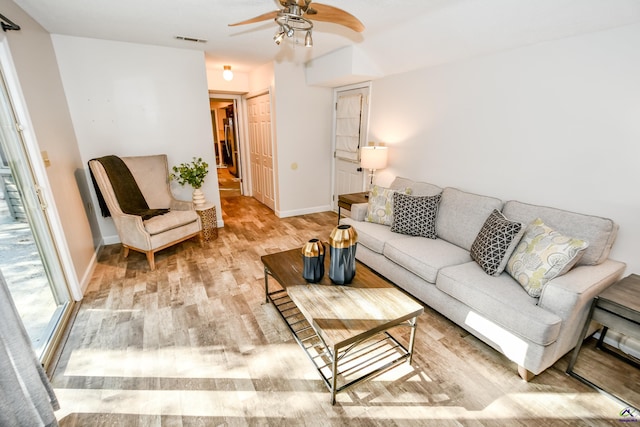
(373, 157)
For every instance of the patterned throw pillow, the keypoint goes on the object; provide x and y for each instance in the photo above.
(543, 254)
(496, 242)
(380, 206)
(415, 215)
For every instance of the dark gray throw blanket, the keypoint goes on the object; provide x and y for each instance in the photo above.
(125, 188)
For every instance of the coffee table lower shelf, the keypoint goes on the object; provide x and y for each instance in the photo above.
(354, 363)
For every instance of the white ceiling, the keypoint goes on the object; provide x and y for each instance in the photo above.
(400, 35)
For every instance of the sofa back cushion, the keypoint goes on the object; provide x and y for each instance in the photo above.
(599, 232)
(461, 215)
(416, 188)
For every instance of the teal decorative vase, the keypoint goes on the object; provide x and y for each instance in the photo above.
(342, 244)
(313, 261)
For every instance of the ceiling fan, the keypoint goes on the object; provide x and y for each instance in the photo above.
(297, 15)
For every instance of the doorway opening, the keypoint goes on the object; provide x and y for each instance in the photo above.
(224, 118)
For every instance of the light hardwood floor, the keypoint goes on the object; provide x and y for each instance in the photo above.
(194, 344)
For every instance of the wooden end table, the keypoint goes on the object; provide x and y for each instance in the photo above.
(346, 200)
(618, 308)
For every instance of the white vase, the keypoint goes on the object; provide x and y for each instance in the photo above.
(198, 197)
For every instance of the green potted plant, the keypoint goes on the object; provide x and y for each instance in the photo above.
(193, 174)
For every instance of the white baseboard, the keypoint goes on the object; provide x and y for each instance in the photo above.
(110, 240)
(296, 212)
(86, 277)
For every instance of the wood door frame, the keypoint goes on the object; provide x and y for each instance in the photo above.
(364, 132)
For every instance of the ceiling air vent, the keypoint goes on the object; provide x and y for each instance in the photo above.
(191, 39)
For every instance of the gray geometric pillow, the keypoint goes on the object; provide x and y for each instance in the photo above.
(495, 243)
(415, 215)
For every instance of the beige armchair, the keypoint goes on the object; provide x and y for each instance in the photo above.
(149, 236)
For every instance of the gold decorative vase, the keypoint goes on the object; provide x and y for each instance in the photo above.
(342, 244)
(313, 261)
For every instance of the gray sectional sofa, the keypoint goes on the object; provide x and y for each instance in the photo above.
(533, 332)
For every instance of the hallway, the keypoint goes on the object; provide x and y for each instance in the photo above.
(229, 184)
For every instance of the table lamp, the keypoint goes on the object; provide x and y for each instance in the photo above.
(373, 157)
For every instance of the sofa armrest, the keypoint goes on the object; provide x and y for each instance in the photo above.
(359, 211)
(570, 296)
(561, 294)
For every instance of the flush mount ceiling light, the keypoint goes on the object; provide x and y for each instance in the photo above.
(227, 74)
(296, 16)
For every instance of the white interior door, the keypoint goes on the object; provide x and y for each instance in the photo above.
(350, 131)
(261, 149)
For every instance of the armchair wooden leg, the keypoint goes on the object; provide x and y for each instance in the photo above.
(201, 238)
(151, 260)
(126, 251)
(525, 374)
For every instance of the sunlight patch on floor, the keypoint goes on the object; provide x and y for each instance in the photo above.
(183, 362)
(226, 403)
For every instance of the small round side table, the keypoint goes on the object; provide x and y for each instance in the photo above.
(209, 220)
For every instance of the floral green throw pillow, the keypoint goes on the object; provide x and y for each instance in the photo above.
(543, 253)
(380, 207)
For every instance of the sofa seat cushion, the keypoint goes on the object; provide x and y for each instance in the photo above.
(372, 235)
(424, 257)
(502, 300)
(169, 221)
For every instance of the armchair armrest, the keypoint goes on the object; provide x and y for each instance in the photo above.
(131, 231)
(359, 211)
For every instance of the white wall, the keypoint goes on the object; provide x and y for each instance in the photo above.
(303, 134)
(555, 123)
(129, 99)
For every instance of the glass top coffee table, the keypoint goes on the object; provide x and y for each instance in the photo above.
(345, 330)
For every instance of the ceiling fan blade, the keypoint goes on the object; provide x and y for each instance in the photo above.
(263, 17)
(333, 14)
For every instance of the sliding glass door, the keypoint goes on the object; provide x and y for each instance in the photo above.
(29, 259)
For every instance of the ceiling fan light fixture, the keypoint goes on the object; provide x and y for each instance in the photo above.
(295, 16)
(308, 40)
(278, 36)
(227, 74)
(288, 30)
